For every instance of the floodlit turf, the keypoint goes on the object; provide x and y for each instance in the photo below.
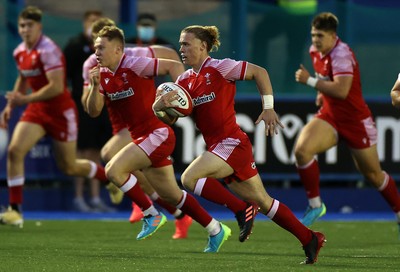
(111, 246)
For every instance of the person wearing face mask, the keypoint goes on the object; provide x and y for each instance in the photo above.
(93, 133)
(146, 28)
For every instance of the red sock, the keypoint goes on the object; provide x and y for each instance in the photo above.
(390, 194)
(309, 176)
(284, 217)
(15, 194)
(101, 174)
(137, 195)
(191, 207)
(215, 192)
(171, 209)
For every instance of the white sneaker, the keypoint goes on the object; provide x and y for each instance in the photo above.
(81, 206)
(99, 206)
(12, 218)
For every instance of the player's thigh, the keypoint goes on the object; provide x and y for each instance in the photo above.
(115, 144)
(208, 165)
(316, 137)
(24, 137)
(65, 154)
(164, 182)
(130, 158)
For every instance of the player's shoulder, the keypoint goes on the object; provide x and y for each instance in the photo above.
(20, 48)
(137, 51)
(341, 50)
(91, 61)
(46, 43)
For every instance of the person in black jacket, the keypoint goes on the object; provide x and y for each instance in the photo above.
(146, 31)
(93, 133)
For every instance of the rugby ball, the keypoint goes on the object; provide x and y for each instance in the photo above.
(183, 105)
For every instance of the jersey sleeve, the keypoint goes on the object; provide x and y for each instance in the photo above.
(143, 66)
(342, 62)
(139, 52)
(87, 65)
(51, 59)
(232, 70)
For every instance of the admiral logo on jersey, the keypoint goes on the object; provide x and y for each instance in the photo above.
(203, 99)
(121, 95)
(30, 72)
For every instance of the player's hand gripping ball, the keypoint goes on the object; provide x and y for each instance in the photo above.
(182, 105)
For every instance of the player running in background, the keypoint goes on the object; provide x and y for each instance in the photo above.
(121, 136)
(124, 83)
(229, 150)
(50, 111)
(343, 115)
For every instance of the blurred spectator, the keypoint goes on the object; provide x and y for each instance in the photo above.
(93, 133)
(146, 29)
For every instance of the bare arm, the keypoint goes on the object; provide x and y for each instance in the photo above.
(338, 88)
(95, 100)
(395, 94)
(164, 52)
(84, 97)
(54, 87)
(263, 82)
(20, 88)
(170, 67)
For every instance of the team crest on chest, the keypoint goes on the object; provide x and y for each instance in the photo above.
(33, 59)
(207, 76)
(124, 78)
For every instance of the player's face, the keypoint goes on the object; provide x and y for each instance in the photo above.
(323, 41)
(106, 52)
(192, 50)
(29, 30)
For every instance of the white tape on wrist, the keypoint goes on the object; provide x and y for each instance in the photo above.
(268, 101)
(312, 82)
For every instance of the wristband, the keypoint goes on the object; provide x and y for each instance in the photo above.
(312, 82)
(268, 101)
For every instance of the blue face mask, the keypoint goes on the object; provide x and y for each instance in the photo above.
(146, 33)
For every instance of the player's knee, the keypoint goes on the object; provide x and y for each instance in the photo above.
(67, 169)
(301, 154)
(111, 171)
(14, 153)
(105, 154)
(188, 181)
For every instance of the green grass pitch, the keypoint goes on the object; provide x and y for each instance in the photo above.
(85, 245)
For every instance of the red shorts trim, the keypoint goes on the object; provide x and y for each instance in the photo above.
(237, 151)
(158, 145)
(357, 134)
(60, 122)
